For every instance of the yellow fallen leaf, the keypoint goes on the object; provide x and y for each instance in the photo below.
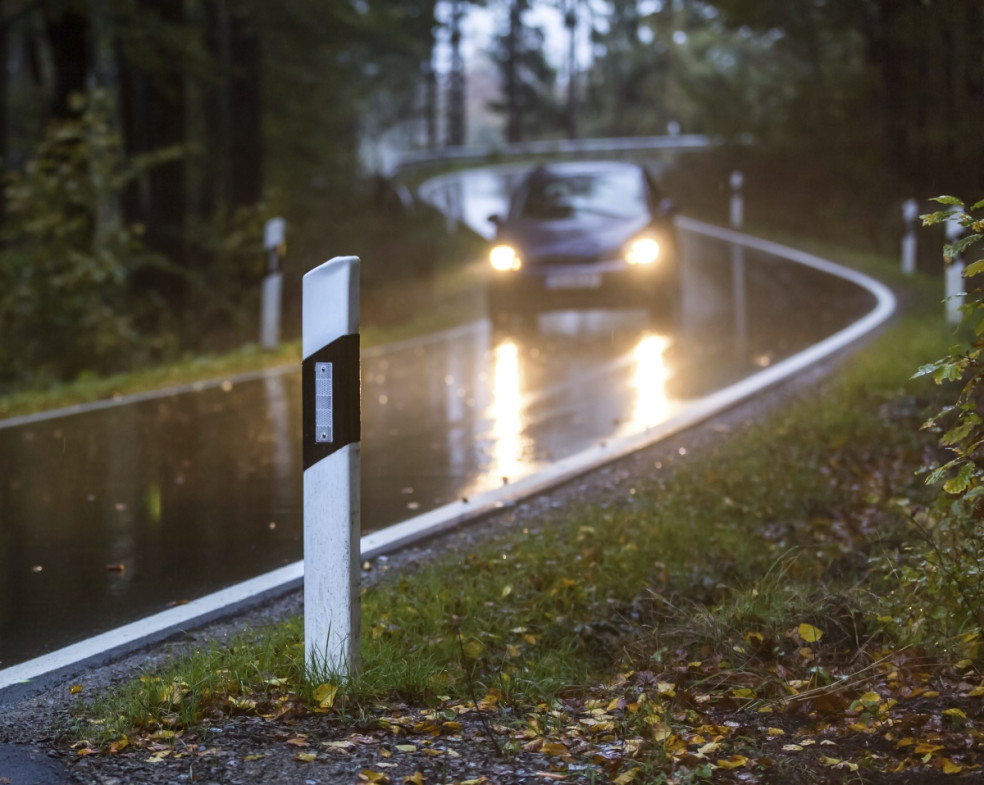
(473, 649)
(743, 692)
(253, 757)
(809, 633)
(414, 779)
(368, 775)
(949, 767)
(871, 699)
(734, 762)
(626, 777)
(776, 732)
(792, 748)
(506, 591)
(299, 741)
(976, 692)
(306, 757)
(75, 689)
(325, 694)
(711, 746)
(162, 735)
(957, 713)
(406, 747)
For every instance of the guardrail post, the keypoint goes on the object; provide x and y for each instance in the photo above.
(273, 242)
(331, 435)
(910, 212)
(953, 288)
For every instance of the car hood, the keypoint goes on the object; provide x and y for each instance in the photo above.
(581, 239)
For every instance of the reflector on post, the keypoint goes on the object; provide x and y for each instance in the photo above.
(332, 432)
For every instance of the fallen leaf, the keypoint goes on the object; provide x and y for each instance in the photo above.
(734, 762)
(306, 757)
(809, 633)
(626, 777)
(368, 775)
(325, 694)
(473, 649)
(949, 767)
(253, 757)
(75, 689)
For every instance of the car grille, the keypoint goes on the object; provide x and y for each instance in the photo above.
(547, 261)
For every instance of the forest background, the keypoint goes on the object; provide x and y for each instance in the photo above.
(145, 142)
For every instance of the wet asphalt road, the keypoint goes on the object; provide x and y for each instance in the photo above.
(108, 516)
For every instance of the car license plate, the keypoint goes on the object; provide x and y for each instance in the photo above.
(574, 281)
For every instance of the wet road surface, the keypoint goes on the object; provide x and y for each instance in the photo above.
(108, 516)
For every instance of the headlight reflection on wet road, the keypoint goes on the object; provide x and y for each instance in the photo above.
(652, 403)
(506, 413)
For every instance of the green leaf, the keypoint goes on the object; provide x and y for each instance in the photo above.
(974, 268)
(961, 245)
(959, 484)
(931, 219)
(961, 431)
(948, 200)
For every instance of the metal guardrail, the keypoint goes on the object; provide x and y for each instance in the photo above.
(475, 154)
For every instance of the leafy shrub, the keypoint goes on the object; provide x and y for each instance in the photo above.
(942, 580)
(68, 254)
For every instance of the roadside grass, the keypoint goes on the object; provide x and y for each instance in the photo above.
(453, 297)
(744, 578)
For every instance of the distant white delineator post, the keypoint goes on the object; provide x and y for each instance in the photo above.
(275, 246)
(954, 290)
(332, 432)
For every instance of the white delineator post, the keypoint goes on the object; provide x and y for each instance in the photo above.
(331, 433)
(273, 243)
(738, 266)
(953, 281)
(737, 200)
(910, 212)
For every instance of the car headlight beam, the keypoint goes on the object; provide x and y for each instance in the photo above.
(642, 250)
(505, 257)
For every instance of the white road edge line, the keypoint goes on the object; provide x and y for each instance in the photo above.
(430, 523)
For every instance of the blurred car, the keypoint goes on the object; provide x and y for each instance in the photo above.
(584, 235)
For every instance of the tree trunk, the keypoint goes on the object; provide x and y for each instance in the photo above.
(235, 145)
(68, 36)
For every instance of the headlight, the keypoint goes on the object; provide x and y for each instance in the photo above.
(642, 250)
(505, 257)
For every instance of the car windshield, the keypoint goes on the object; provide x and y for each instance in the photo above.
(614, 194)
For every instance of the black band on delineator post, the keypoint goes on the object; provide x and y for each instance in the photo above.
(345, 426)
